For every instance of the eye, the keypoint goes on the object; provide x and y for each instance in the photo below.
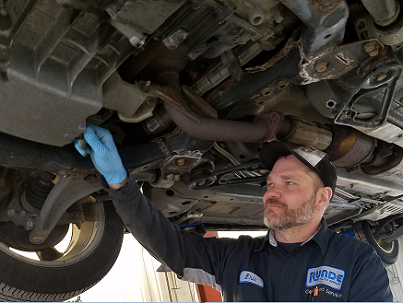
(290, 183)
(269, 184)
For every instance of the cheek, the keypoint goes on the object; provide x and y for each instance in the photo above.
(266, 196)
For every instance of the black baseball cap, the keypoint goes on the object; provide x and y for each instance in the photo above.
(314, 159)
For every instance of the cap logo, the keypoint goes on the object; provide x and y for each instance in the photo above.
(310, 154)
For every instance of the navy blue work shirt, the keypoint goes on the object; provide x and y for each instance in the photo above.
(258, 269)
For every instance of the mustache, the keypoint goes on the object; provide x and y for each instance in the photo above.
(274, 202)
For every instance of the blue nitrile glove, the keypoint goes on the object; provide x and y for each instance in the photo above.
(103, 152)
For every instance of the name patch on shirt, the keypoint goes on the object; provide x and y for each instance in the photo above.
(326, 275)
(250, 277)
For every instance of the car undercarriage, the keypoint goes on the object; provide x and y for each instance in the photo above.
(190, 91)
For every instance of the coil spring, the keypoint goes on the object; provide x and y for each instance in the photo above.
(37, 191)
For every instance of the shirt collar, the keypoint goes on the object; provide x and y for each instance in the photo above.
(320, 237)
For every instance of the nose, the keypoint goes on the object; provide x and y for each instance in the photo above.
(272, 192)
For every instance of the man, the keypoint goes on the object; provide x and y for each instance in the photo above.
(300, 259)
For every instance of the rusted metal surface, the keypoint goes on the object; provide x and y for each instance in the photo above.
(300, 132)
(349, 147)
(379, 83)
(318, 33)
(336, 61)
(269, 79)
(325, 7)
(175, 99)
(135, 64)
(382, 57)
(215, 97)
(321, 66)
(264, 127)
(292, 43)
(390, 169)
(198, 103)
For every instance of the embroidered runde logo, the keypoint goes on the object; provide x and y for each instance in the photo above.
(250, 277)
(326, 275)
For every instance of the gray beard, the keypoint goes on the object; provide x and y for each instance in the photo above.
(290, 217)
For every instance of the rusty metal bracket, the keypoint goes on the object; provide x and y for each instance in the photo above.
(338, 60)
(379, 84)
(290, 67)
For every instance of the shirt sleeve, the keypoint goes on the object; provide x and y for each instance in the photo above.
(188, 254)
(370, 281)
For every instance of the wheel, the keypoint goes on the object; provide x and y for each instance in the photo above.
(388, 251)
(90, 254)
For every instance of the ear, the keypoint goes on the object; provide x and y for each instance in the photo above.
(323, 197)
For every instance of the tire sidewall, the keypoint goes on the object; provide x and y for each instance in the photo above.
(70, 278)
(388, 257)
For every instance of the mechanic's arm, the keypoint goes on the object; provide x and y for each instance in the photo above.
(176, 248)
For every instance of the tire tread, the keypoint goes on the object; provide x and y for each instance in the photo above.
(12, 294)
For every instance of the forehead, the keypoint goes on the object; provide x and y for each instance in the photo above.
(289, 166)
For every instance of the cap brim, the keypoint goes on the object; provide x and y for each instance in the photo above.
(274, 150)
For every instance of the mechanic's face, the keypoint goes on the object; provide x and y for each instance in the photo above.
(290, 199)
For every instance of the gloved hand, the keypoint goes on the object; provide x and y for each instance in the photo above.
(103, 152)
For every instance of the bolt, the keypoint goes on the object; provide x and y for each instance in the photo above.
(180, 161)
(137, 42)
(321, 66)
(177, 177)
(343, 115)
(395, 280)
(259, 101)
(30, 225)
(37, 239)
(382, 76)
(374, 52)
(282, 84)
(266, 92)
(22, 213)
(11, 211)
(170, 177)
(201, 182)
(176, 38)
(369, 47)
(255, 166)
(146, 86)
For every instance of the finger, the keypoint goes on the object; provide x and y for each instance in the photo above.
(104, 136)
(92, 139)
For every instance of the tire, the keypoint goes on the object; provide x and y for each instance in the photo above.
(91, 253)
(387, 251)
